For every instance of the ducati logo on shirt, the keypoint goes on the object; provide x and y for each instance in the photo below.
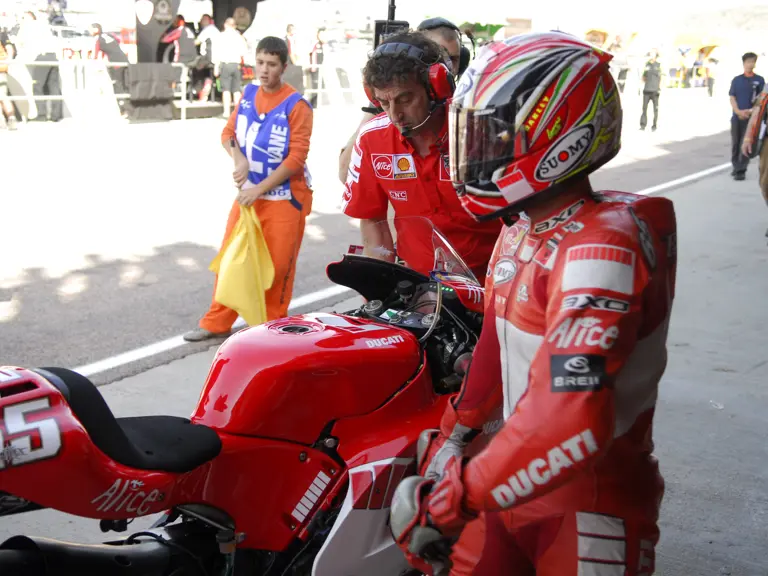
(445, 169)
(404, 167)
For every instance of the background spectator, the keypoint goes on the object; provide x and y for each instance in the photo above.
(8, 112)
(230, 49)
(202, 73)
(55, 12)
(315, 60)
(744, 90)
(651, 90)
(36, 42)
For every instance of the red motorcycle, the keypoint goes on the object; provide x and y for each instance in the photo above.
(303, 430)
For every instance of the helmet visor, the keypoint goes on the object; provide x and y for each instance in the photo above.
(481, 141)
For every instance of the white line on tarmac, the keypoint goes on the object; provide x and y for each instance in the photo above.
(313, 297)
(684, 180)
(178, 341)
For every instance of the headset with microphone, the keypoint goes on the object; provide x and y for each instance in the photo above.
(465, 56)
(435, 76)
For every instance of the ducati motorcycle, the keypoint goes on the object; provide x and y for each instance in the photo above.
(288, 464)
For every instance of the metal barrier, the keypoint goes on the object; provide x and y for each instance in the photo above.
(78, 80)
(79, 91)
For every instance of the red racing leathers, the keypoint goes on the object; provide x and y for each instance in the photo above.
(578, 311)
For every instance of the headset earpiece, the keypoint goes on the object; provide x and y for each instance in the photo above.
(370, 96)
(464, 58)
(441, 82)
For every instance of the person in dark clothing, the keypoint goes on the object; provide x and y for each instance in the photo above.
(108, 48)
(183, 41)
(744, 90)
(315, 60)
(56, 12)
(711, 64)
(651, 89)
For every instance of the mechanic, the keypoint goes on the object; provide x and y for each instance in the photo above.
(268, 136)
(401, 157)
(574, 338)
(445, 33)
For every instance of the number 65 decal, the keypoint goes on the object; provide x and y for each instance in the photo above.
(18, 451)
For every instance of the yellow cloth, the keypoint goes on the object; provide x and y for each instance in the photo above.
(245, 269)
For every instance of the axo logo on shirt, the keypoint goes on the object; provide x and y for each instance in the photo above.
(393, 166)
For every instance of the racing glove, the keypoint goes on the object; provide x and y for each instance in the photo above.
(427, 517)
(436, 447)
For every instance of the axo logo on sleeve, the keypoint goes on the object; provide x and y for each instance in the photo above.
(583, 301)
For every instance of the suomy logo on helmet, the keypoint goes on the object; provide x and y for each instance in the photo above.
(565, 154)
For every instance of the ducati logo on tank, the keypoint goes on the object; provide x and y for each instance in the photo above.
(566, 154)
(504, 271)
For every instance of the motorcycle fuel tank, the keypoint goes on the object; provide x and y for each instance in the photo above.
(287, 379)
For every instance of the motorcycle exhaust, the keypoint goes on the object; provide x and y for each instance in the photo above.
(26, 556)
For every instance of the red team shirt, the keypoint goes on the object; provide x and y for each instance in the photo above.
(385, 168)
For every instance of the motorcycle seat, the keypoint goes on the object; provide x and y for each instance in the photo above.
(162, 443)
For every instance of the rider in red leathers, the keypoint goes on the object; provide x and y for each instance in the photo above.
(578, 300)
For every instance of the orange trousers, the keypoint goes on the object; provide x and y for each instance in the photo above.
(283, 227)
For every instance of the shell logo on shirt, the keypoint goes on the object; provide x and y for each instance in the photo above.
(393, 166)
(404, 167)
